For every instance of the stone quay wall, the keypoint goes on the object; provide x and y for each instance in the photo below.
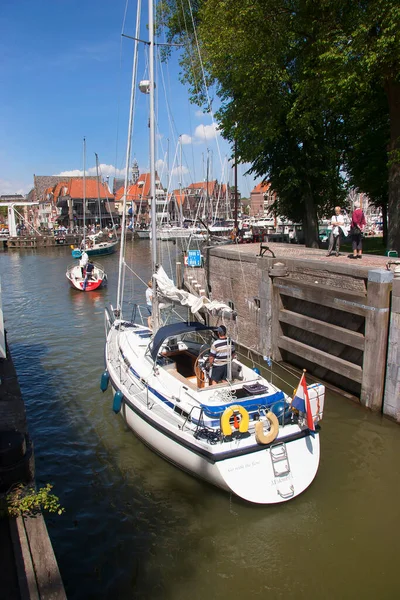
(330, 316)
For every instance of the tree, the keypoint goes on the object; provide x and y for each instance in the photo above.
(269, 108)
(359, 57)
(366, 152)
(302, 85)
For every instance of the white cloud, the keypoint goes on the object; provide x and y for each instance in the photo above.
(200, 113)
(205, 133)
(186, 139)
(177, 171)
(75, 173)
(160, 165)
(202, 134)
(14, 187)
(104, 170)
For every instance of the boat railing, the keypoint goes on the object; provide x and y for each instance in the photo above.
(109, 318)
(189, 416)
(140, 311)
(96, 266)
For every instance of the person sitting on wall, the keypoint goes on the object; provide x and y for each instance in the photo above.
(221, 353)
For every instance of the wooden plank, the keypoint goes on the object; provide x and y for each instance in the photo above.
(276, 329)
(334, 298)
(332, 332)
(324, 359)
(376, 339)
(47, 574)
(23, 560)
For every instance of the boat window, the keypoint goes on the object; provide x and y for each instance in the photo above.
(197, 338)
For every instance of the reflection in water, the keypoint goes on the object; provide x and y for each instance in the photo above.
(79, 300)
(135, 526)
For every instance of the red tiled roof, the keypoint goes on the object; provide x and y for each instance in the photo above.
(261, 187)
(179, 197)
(202, 185)
(92, 188)
(137, 191)
(58, 188)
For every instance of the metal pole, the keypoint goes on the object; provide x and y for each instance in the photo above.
(84, 193)
(236, 192)
(127, 162)
(98, 190)
(155, 316)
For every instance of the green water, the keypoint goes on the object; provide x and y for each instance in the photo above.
(136, 527)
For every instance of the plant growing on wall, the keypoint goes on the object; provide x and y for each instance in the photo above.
(25, 501)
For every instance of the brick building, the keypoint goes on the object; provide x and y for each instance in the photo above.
(61, 201)
(262, 198)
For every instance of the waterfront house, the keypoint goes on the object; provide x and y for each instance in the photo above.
(208, 200)
(262, 198)
(61, 201)
(138, 200)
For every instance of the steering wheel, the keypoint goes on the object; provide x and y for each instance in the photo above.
(203, 355)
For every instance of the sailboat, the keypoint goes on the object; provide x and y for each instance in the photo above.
(81, 277)
(243, 435)
(99, 243)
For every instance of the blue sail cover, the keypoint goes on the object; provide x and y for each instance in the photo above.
(175, 329)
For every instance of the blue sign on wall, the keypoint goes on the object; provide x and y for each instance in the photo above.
(194, 258)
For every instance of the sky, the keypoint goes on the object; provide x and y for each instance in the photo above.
(65, 73)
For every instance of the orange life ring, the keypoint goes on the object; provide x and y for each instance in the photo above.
(230, 412)
(267, 438)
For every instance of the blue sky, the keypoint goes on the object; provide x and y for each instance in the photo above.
(65, 74)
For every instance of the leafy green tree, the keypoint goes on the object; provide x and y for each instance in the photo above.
(271, 106)
(366, 152)
(359, 62)
(308, 89)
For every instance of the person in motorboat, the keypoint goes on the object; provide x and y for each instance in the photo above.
(221, 353)
(83, 262)
(89, 269)
(149, 302)
(89, 273)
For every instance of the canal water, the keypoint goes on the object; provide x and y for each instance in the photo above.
(135, 527)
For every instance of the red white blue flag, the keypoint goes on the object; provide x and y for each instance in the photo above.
(301, 402)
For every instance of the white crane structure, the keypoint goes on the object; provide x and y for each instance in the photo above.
(12, 226)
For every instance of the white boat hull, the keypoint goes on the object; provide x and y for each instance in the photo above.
(250, 477)
(263, 474)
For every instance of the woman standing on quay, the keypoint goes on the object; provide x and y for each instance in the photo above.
(337, 223)
(358, 223)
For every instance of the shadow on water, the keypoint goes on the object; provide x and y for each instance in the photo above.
(135, 526)
(108, 504)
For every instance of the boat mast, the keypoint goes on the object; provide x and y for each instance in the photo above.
(155, 314)
(84, 193)
(127, 163)
(236, 191)
(98, 189)
(180, 184)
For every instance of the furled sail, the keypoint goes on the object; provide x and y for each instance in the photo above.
(168, 291)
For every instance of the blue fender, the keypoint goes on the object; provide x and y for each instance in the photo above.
(105, 378)
(117, 402)
(76, 253)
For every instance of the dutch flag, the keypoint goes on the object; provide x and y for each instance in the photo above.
(301, 402)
